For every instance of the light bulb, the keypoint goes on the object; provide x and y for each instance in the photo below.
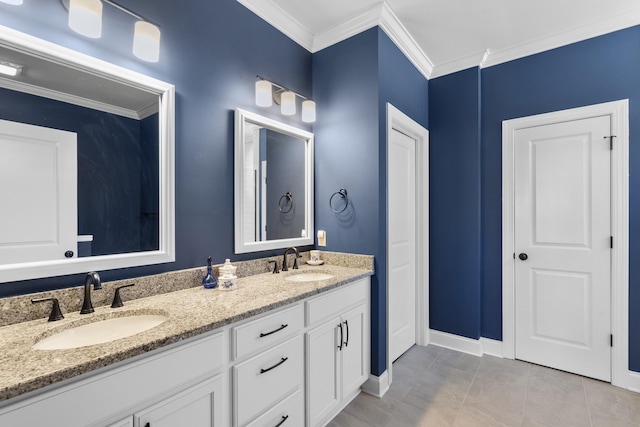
(146, 41)
(288, 105)
(85, 17)
(264, 98)
(308, 111)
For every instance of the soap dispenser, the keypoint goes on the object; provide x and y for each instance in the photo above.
(209, 281)
(227, 276)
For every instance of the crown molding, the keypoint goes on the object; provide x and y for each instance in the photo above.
(564, 38)
(397, 32)
(459, 64)
(379, 15)
(337, 33)
(383, 16)
(281, 20)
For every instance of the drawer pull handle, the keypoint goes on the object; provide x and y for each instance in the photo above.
(346, 343)
(284, 359)
(341, 336)
(274, 331)
(284, 418)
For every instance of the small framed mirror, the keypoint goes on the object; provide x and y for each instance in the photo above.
(273, 184)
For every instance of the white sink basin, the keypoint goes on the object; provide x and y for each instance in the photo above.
(309, 277)
(100, 332)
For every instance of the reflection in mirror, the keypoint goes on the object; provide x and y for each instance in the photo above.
(86, 163)
(274, 184)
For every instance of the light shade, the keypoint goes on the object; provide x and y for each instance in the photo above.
(146, 41)
(288, 103)
(308, 111)
(85, 17)
(264, 98)
(12, 1)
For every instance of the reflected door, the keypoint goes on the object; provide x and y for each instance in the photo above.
(562, 243)
(38, 193)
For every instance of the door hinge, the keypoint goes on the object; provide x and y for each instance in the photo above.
(611, 242)
(610, 141)
(514, 255)
(611, 340)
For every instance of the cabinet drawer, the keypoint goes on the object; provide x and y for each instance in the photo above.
(288, 413)
(265, 332)
(265, 379)
(337, 302)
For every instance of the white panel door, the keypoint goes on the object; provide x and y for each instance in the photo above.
(38, 193)
(402, 243)
(562, 243)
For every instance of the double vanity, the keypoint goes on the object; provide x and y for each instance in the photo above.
(287, 349)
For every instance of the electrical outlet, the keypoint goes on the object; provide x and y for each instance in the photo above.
(322, 238)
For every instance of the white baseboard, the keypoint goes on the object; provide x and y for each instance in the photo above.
(377, 386)
(466, 345)
(491, 347)
(634, 381)
(456, 342)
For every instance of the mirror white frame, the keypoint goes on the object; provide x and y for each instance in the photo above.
(242, 245)
(17, 40)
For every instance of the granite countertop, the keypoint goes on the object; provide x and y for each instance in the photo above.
(190, 311)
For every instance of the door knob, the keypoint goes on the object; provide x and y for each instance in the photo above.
(523, 256)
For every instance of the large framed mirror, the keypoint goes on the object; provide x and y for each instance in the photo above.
(273, 184)
(86, 163)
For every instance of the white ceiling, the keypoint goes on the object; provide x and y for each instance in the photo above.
(443, 36)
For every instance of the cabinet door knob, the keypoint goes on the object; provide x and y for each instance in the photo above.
(341, 336)
(523, 256)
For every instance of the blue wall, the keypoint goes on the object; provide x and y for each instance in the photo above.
(602, 69)
(211, 52)
(454, 203)
(353, 80)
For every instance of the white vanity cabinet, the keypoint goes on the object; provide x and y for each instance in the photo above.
(337, 350)
(290, 367)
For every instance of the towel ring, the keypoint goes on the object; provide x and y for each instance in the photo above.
(342, 193)
(288, 196)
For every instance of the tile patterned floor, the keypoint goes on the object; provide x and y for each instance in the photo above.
(433, 386)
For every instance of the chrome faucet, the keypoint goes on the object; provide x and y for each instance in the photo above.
(92, 279)
(295, 261)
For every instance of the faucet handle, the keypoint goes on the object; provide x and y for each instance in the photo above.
(295, 261)
(276, 270)
(56, 313)
(117, 301)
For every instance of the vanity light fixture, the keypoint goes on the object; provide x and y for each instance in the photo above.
(85, 17)
(268, 92)
(10, 69)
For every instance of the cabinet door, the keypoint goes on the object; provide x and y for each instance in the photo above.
(323, 366)
(353, 351)
(198, 406)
